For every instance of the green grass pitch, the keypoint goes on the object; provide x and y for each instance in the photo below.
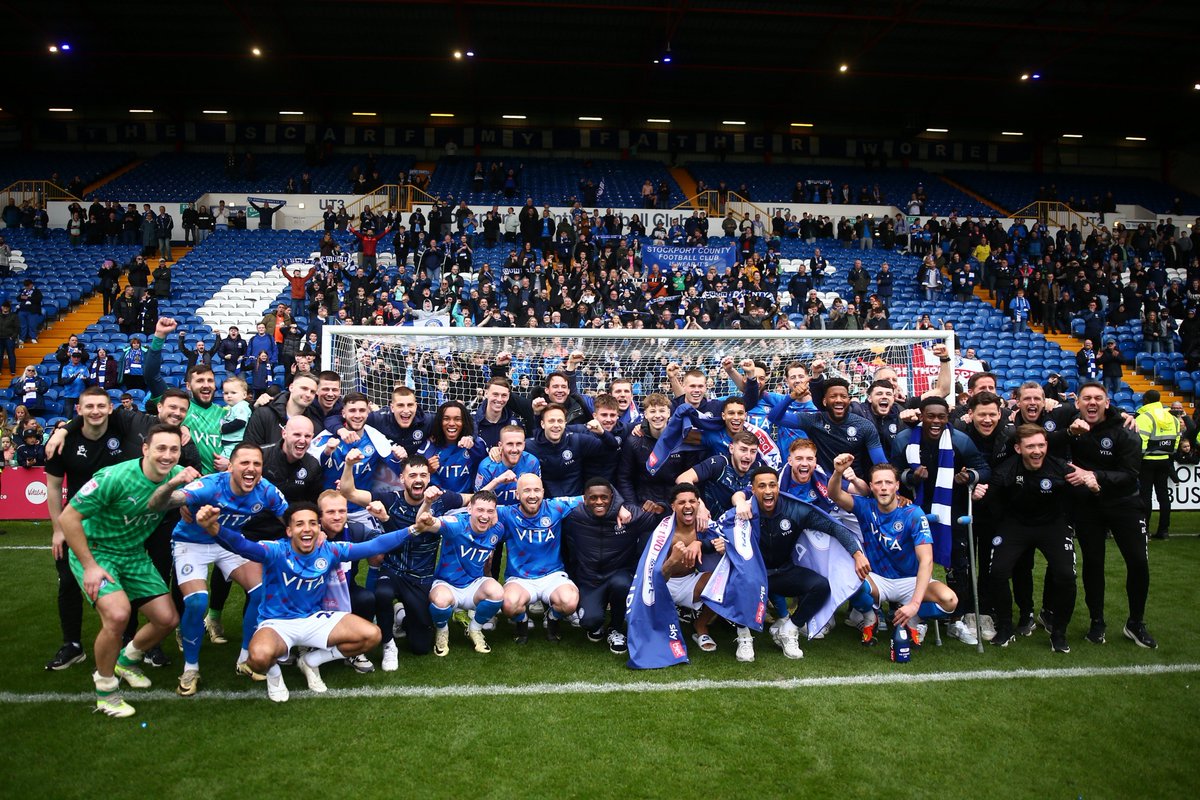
(570, 720)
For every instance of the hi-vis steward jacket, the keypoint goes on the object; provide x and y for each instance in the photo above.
(1160, 431)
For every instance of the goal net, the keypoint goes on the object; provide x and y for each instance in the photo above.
(442, 364)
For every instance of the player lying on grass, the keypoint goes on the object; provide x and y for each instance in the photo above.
(106, 525)
(295, 574)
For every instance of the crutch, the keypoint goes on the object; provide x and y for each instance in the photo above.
(969, 521)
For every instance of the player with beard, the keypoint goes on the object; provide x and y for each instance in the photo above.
(204, 417)
(1034, 497)
(928, 460)
(355, 434)
(835, 430)
(984, 425)
(1107, 456)
(723, 476)
(501, 476)
(240, 493)
(407, 573)
(691, 387)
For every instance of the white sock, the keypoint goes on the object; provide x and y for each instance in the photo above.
(743, 632)
(275, 673)
(315, 658)
(188, 665)
(788, 627)
(105, 684)
(243, 655)
(475, 626)
(131, 653)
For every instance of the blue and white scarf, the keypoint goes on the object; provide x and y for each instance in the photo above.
(939, 514)
(655, 636)
(737, 589)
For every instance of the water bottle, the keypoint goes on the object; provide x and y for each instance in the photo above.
(901, 647)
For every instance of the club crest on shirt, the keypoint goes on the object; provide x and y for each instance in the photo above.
(321, 564)
(257, 508)
(1044, 484)
(891, 427)
(1050, 425)
(851, 431)
(114, 443)
(897, 526)
(418, 435)
(544, 522)
(567, 455)
(301, 473)
(368, 451)
(785, 524)
(1106, 443)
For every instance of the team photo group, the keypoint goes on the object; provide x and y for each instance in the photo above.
(666, 502)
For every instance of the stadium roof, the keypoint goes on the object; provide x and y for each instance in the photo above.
(1103, 66)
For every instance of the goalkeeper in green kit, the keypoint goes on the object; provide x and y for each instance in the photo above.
(204, 417)
(106, 525)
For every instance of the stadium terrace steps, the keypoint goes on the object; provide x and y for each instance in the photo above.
(685, 180)
(132, 165)
(1137, 382)
(972, 193)
(58, 331)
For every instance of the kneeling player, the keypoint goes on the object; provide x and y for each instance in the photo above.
(295, 573)
(899, 546)
(462, 582)
(534, 568)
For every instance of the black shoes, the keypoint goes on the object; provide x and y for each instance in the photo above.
(521, 631)
(1140, 636)
(552, 634)
(67, 655)
(1095, 634)
(1058, 642)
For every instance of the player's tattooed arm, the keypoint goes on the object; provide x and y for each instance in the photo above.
(168, 496)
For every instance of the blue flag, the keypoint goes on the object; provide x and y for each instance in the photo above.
(655, 637)
(737, 589)
(671, 439)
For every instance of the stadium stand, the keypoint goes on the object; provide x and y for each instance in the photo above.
(184, 177)
(41, 165)
(1015, 190)
(776, 183)
(555, 181)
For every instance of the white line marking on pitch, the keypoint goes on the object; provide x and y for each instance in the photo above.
(25, 547)
(633, 687)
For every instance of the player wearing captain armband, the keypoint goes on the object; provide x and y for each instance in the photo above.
(240, 493)
(295, 573)
(468, 543)
(899, 546)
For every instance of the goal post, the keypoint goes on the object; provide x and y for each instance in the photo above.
(443, 363)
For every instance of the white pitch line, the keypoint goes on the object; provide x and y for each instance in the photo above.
(24, 547)
(632, 687)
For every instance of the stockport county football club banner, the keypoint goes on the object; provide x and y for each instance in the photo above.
(693, 259)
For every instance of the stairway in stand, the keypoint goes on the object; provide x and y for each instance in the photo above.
(57, 332)
(1137, 382)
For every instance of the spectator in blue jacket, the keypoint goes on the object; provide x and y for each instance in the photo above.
(262, 342)
(73, 378)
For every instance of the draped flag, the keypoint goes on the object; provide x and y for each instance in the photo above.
(682, 421)
(655, 637)
(820, 553)
(737, 589)
(943, 490)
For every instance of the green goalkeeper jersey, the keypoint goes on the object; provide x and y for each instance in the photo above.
(113, 505)
(205, 426)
